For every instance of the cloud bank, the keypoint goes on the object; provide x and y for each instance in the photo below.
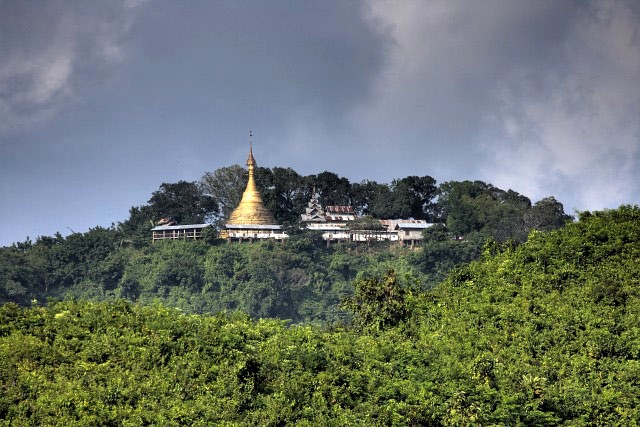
(542, 97)
(101, 102)
(577, 129)
(51, 50)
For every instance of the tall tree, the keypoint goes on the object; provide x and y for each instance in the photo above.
(333, 189)
(364, 194)
(456, 199)
(413, 196)
(480, 207)
(382, 205)
(547, 214)
(291, 192)
(184, 202)
(225, 185)
(379, 302)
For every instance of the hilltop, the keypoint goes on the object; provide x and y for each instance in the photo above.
(299, 279)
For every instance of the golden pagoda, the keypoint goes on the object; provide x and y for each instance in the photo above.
(251, 209)
(251, 219)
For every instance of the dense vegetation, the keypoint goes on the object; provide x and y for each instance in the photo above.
(301, 280)
(542, 333)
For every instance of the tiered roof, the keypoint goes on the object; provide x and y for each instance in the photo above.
(314, 212)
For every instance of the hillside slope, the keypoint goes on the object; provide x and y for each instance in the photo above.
(545, 333)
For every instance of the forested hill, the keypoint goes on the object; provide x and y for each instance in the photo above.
(300, 280)
(544, 333)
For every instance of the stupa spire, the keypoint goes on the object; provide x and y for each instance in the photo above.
(251, 161)
(251, 209)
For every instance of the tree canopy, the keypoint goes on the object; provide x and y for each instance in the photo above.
(544, 333)
(184, 202)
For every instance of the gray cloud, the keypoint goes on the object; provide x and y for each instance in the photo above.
(165, 91)
(101, 102)
(260, 60)
(448, 61)
(577, 131)
(541, 97)
(48, 52)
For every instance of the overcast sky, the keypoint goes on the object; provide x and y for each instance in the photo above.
(101, 102)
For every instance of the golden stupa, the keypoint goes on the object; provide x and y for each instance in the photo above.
(251, 209)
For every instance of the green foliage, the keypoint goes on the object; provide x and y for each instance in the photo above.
(137, 227)
(333, 189)
(184, 202)
(410, 197)
(300, 279)
(413, 197)
(284, 192)
(225, 185)
(442, 252)
(378, 302)
(543, 334)
(477, 206)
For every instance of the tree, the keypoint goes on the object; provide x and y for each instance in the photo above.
(456, 199)
(184, 202)
(225, 186)
(409, 197)
(480, 207)
(382, 205)
(333, 189)
(19, 276)
(547, 214)
(364, 194)
(136, 227)
(441, 252)
(284, 192)
(413, 196)
(378, 302)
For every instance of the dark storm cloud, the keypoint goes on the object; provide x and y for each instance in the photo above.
(100, 102)
(450, 61)
(539, 96)
(258, 61)
(49, 50)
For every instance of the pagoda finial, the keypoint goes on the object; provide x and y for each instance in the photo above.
(251, 161)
